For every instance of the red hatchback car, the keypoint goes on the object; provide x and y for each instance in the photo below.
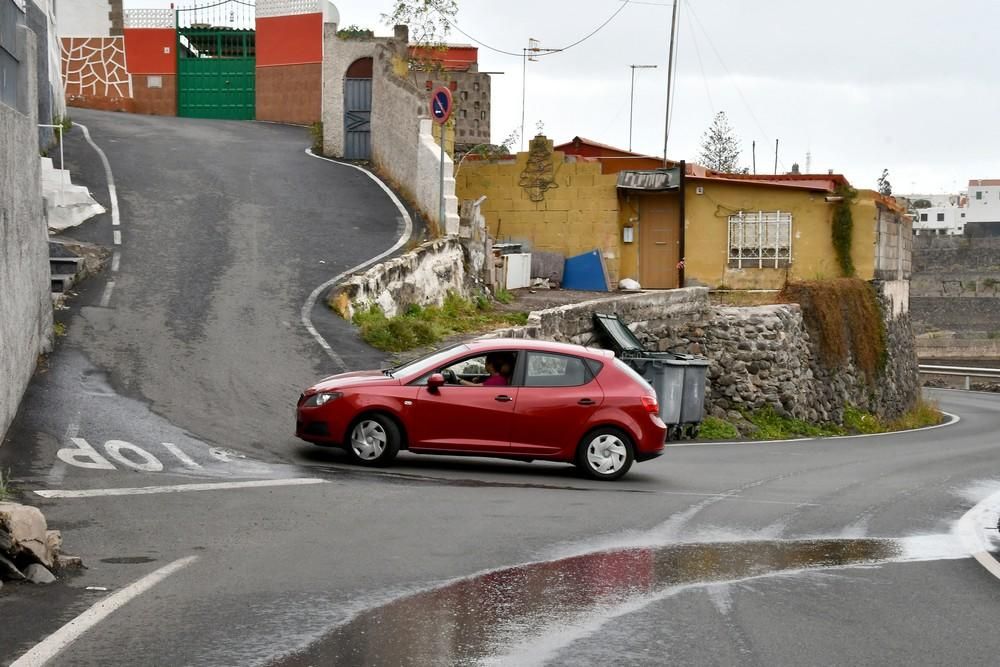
(518, 399)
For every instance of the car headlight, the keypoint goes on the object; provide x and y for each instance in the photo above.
(322, 398)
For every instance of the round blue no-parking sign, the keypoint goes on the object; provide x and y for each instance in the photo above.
(441, 105)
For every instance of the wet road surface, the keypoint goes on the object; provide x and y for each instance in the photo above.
(818, 552)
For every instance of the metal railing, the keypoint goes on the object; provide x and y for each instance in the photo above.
(961, 371)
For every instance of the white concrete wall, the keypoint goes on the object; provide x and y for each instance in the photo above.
(429, 181)
(83, 18)
(25, 299)
(984, 202)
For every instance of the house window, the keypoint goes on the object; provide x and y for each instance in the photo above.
(979, 194)
(759, 239)
(963, 215)
(923, 217)
(482, 115)
(940, 217)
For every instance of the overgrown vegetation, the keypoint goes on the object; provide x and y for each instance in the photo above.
(770, 425)
(843, 316)
(355, 32)
(843, 229)
(59, 329)
(504, 296)
(713, 428)
(316, 133)
(426, 325)
(5, 491)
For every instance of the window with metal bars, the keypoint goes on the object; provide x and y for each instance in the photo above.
(760, 239)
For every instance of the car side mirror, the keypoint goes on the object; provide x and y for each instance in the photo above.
(435, 381)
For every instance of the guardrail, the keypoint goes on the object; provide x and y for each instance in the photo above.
(961, 371)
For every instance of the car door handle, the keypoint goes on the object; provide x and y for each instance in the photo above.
(503, 398)
(586, 401)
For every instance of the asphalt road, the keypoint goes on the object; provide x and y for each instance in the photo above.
(824, 552)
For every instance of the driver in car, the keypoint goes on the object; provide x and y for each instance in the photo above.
(499, 367)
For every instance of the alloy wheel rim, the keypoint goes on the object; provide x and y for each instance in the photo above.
(606, 454)
(368, 440)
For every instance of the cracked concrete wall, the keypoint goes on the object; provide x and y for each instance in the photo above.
(25, 299)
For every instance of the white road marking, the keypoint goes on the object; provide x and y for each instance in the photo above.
(116, 260)
(971, 531)
(69, 633)
(112, 191)
(314, 296)
(179, 453)
(118, 237)
(106, 297)
(149, 462)
(179, 488)
(953, 419)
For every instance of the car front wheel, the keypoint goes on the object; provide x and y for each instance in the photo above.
(374, 441)
(605, 454)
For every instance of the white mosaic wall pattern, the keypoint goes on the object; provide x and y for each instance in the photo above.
(269, 8)
(149, 18)
(96, 66)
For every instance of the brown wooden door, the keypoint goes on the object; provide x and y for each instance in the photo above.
(659, 241)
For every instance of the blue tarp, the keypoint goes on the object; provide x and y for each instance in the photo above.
(586, 272)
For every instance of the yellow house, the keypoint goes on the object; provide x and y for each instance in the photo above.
(739, 231)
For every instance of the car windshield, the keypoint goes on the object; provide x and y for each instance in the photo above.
(428, 361)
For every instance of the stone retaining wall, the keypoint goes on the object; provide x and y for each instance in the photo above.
(422, 277)
(759, 357)
(25, 299)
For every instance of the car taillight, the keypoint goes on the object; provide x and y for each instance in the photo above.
(652, 407)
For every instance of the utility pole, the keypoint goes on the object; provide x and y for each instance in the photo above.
(631, 100)
(535, 49)
(670, 79)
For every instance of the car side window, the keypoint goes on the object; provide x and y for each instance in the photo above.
(555, 370)
(478, 370)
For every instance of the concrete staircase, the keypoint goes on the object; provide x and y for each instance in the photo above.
(66, 205)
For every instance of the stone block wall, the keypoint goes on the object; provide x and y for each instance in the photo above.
(956, 284)
(421, 277)
(577, 213)
(25, 301)
(759, 357)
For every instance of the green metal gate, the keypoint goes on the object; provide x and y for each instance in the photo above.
(215, 63)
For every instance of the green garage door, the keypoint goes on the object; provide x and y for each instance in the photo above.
(215, 73)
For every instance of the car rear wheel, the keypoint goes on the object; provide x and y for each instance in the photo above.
(374, 440)
(606, 454)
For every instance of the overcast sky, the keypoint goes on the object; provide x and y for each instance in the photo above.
(909, 85)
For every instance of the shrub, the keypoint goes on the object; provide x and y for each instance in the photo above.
(772, 426)
(713, 428)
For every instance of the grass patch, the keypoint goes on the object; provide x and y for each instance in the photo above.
(316, 134)
(59, 329)
(857, 420)
(5, 491)
(713, 428)
(924, 413)
(421, 326)
(503, 296)
(772, 426)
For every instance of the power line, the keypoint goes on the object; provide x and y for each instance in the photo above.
(701, 66)
(452, 24)
(735, 85)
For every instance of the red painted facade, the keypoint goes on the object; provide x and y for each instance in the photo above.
(290, 40)
(151, 50)
(451, 58)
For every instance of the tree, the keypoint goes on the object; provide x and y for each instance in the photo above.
(720, 148)
(429, 20)
(884, 186)
(922, 203)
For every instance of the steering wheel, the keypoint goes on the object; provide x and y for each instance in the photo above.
(450, 376)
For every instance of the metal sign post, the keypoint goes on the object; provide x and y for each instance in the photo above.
(441, 108)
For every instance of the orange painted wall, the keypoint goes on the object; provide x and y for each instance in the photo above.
(151, 50)
(290, 40)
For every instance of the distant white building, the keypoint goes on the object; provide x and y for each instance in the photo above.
(939, 221)
(984, 207)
